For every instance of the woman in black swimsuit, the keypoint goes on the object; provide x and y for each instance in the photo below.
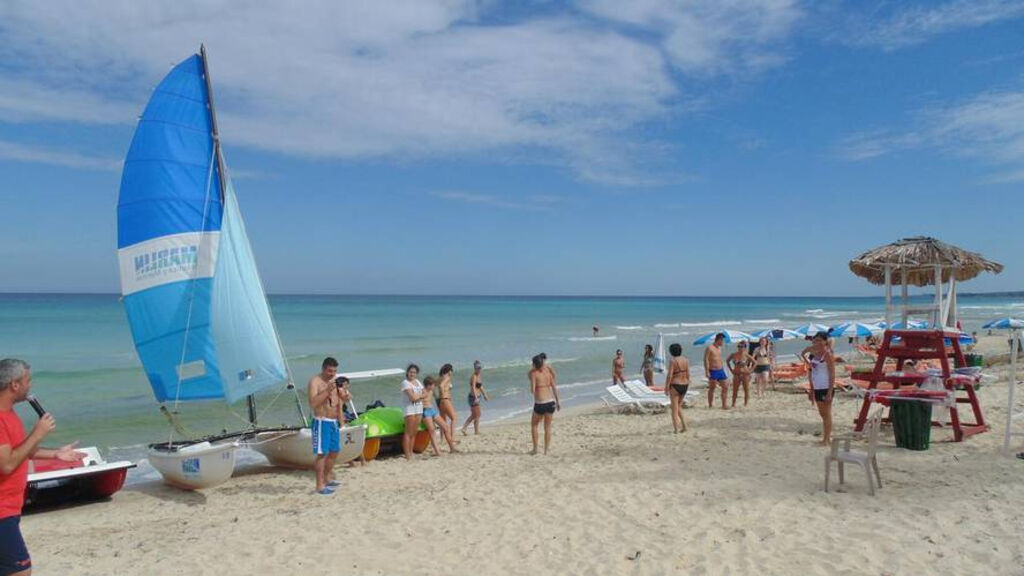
(476, 391)
(676, 384)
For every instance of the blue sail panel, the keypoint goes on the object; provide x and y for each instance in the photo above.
(247, 346)
(158, 318)
(169, 219)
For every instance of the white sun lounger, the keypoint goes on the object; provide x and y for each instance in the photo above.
(624, 398)
(641, 391)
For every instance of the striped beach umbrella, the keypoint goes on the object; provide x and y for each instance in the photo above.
(660, 361)
(1005, 324)
(810, 329)
(854, 330)
(776, 334)
(730, 337)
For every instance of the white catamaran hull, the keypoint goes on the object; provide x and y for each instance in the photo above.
(294, 449)
(196, 466)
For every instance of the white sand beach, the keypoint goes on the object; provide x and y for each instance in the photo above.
(740, 493)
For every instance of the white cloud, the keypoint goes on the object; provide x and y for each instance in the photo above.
(909, 25)
(709, 36)
(25, 153)
(529, 202)
(989, 127)
(411, 79)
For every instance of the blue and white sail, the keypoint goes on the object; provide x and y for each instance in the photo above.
(197, 310)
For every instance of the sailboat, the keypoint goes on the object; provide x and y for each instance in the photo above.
(198, 313)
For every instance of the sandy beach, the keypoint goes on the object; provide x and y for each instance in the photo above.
(740, 493)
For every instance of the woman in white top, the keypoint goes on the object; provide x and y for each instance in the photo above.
(412, 408)
(818, 357)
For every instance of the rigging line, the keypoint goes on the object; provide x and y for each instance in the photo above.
(276, 396)
(192, 292)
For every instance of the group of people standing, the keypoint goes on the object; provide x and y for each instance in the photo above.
(432, 403)
(745, 365)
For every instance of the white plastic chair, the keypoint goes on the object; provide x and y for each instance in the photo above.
(865, 460)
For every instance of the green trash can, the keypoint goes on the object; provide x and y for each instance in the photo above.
(912, 423)
(977, 360)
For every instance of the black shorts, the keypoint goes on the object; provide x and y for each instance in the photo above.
(820, 395)
(13, 553)
(762, 368)
(680, 389)
(545, 408)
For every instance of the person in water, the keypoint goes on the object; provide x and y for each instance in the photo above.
(545, 401)
(412, 408)
(476, 393)
(432, 417)
(677, 382)
(740, 364)
(647, 366)
(325, 403)
(444, 398)
(619, 369)
(714, 370)
(762, 367)
(596, 330)
(16, 451)
(822, 373)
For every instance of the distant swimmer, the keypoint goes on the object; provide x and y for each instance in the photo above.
(619, 369)
(545, 401)
(596, 330)
(714, 370)
(325, 403)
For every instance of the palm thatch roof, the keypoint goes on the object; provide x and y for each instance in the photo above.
(918, 257)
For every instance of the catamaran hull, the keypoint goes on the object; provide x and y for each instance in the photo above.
(195, 466)
(294, 449)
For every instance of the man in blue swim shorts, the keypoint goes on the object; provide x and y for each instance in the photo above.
(714, 370)
(325, 403)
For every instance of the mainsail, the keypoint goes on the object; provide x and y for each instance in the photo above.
(197, 310)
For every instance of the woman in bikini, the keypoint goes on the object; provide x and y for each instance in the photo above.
(740, 363)
(476, 392)
(762, 366)
(676, 384)
(432, 417)
(444, 398)
(545, 401)
(822, 373)
(647, 367)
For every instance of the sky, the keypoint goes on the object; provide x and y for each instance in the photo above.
(590, 147)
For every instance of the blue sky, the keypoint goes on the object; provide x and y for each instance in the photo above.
(737, 147)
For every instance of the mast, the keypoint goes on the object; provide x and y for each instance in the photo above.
(213, 121)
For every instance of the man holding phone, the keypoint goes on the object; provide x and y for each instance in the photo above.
(16, 450)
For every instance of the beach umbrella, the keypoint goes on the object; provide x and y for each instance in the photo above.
(776, 334)
(854, 330)
(659, 354)
(1014, 325)
(909, 325)
(730, 337)
(810, 329)
(1005, 324)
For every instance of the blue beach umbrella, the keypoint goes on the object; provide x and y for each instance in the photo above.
(854, 330)
(810, 329)
(776, 334)
(1005, 324)
(730, 337)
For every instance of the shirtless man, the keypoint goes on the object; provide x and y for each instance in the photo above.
(618, 369)
(325, 403)
(714, 370)
(545, 401)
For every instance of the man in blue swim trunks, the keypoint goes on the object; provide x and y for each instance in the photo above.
(714, 370)
(325, 402)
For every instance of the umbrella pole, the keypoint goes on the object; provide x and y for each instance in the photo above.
(1014, 338)
(903, 293)
(888, 296)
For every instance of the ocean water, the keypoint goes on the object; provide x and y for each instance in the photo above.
(87, 374)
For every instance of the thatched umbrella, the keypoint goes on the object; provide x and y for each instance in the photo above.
(922, 261)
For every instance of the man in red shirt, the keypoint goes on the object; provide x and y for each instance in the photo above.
(16, 450)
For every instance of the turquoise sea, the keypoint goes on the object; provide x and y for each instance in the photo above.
(87, 374)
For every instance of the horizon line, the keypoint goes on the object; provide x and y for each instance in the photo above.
(646, 296)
